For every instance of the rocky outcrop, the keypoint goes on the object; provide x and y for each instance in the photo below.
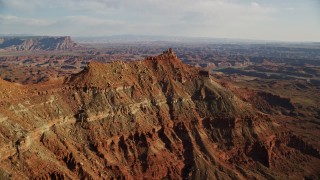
(270, 103)
(151, 119)
(37, 43)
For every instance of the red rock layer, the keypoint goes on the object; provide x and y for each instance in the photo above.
(151, 119)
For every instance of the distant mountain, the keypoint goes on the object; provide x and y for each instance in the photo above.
(143, 38)
(128, 38)
(29, 43)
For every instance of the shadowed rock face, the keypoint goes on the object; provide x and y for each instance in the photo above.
(155, 118)
(36, 43)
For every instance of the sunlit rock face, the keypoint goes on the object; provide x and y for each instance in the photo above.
(150, 119)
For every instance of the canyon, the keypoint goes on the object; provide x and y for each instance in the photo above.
(155, 118)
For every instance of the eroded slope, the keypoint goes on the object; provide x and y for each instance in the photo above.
(155, 118)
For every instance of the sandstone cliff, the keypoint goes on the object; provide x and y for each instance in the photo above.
(36, 43)
(150, 119)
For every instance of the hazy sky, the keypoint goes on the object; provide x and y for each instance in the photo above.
(289, 20)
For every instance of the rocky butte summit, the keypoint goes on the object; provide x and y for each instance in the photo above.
(150, 119)
(30, 43)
